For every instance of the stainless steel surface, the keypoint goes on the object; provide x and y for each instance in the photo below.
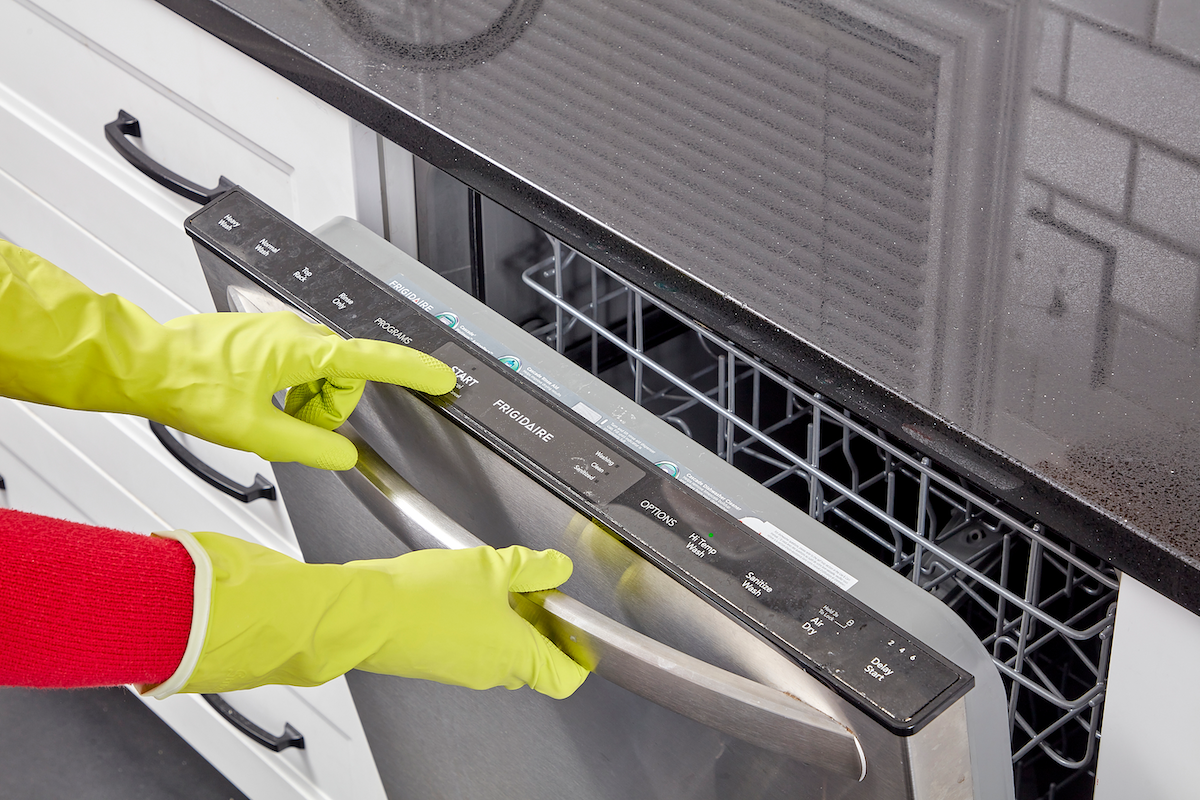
(488, 495)
(722, 700)
(603, 743)
(933, 775)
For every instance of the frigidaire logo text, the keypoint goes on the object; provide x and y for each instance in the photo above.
(657, 512)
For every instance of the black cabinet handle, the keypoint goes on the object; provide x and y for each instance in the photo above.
(261, 488)
(127, 125)
(289, 738)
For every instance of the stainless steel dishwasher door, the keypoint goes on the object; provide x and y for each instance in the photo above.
(433, 741)
(686, 701)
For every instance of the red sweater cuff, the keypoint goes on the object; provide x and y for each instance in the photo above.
(87, 606)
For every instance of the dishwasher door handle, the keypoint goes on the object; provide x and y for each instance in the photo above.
(725, 701)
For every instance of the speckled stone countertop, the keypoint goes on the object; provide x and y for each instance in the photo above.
(972, 222)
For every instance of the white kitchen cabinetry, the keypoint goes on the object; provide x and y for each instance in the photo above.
(66, 69)
(1149, 748)
(205, 110)
(32, 451)
(46, 473)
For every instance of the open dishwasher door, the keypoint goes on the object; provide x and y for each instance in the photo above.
(741, 650)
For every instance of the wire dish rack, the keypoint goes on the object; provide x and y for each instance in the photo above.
(1043, 607)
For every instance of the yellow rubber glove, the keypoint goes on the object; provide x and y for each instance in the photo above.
(210, 375)
(441, 615)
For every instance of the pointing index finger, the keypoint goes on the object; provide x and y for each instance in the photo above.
(390, 363)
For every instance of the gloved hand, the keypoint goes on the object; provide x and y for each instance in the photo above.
(442, 615)
(210, 375)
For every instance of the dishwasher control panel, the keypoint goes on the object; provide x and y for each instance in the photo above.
(897, 680)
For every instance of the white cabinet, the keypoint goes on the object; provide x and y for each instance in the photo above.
(67, 67)
(29, 219)
(205, 110)
(334, 764)
(44, 473)
(47, 473)
(1148, 744)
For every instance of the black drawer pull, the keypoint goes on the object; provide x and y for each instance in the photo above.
(127, 125)
(289, 738)
(261, 488)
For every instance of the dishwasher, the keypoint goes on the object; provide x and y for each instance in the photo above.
(740, 647)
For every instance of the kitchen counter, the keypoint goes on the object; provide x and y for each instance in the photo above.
(972, 223)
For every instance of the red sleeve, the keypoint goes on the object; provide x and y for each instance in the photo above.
(87, 606)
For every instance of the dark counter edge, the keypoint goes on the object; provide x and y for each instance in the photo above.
(1145, 558)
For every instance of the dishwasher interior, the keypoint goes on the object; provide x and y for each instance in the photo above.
(1043, 607)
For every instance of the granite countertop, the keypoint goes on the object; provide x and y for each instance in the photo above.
(972, 222)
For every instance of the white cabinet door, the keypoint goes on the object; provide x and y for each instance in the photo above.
(205, 109)
(124, 446)
(1148, 744)
(45, 473)
(334, 764)
(78, 491)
